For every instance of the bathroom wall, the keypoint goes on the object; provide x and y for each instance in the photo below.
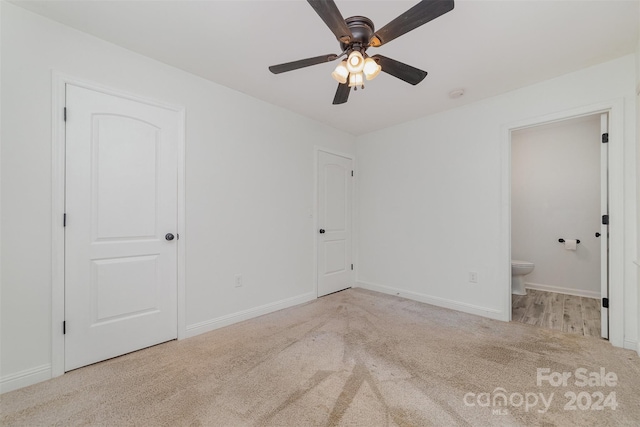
(555, 193)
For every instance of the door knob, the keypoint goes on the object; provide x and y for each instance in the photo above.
(597, 234)
(169, 236)
(322, 231)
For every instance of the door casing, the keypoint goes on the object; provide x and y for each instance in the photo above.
(615, 109)
(58, 137)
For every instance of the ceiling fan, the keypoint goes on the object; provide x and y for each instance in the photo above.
(356, 34)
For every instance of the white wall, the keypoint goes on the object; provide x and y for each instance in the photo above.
(555, 193)
(430, 195)
(249, 186)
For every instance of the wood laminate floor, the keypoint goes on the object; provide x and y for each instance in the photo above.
(567, 313)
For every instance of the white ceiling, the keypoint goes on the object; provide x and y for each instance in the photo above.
(484, 47)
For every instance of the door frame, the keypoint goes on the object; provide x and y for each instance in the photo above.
(615, 109)
(316, 205)
(58, 153)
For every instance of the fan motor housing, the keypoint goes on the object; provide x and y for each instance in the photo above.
(361, 30)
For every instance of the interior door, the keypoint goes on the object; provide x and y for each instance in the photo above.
(604, 227)
(121, 218)
(335, 183)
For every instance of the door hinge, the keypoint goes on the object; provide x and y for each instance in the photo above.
(65, 114)
(64, 220)
(605, 138)
(64, 327)
(351, 173)
(605, 219)
(605, 302)
(352, 266)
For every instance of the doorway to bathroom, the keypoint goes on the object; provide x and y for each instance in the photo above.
(559, 225)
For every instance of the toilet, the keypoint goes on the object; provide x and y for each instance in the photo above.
(519, 269)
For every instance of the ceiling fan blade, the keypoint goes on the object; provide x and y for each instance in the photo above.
(418, 15)
(328, 11)
(400, 70)
(342, 94)
(290, 66)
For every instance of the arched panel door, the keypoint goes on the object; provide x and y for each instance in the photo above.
(121, 211)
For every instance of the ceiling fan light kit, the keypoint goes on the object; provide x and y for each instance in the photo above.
(355, 69)
(355, 80)
(355, 63)
(341, 73)
(356, 34)
(371, 68)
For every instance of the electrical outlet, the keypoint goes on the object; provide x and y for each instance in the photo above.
(473, 277)
(238, 280)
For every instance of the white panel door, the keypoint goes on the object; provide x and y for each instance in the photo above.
(121, 202)
(334, 221)
(604, 228)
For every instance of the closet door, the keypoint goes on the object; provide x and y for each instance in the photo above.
(335, 183)
(121, 218)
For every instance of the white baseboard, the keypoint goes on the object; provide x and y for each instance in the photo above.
(44, 372)
(561, 290)
(631, 345)
(437, 301)
(25, 378)
(229, 319)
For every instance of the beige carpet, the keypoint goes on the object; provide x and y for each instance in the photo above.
(354, 358)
